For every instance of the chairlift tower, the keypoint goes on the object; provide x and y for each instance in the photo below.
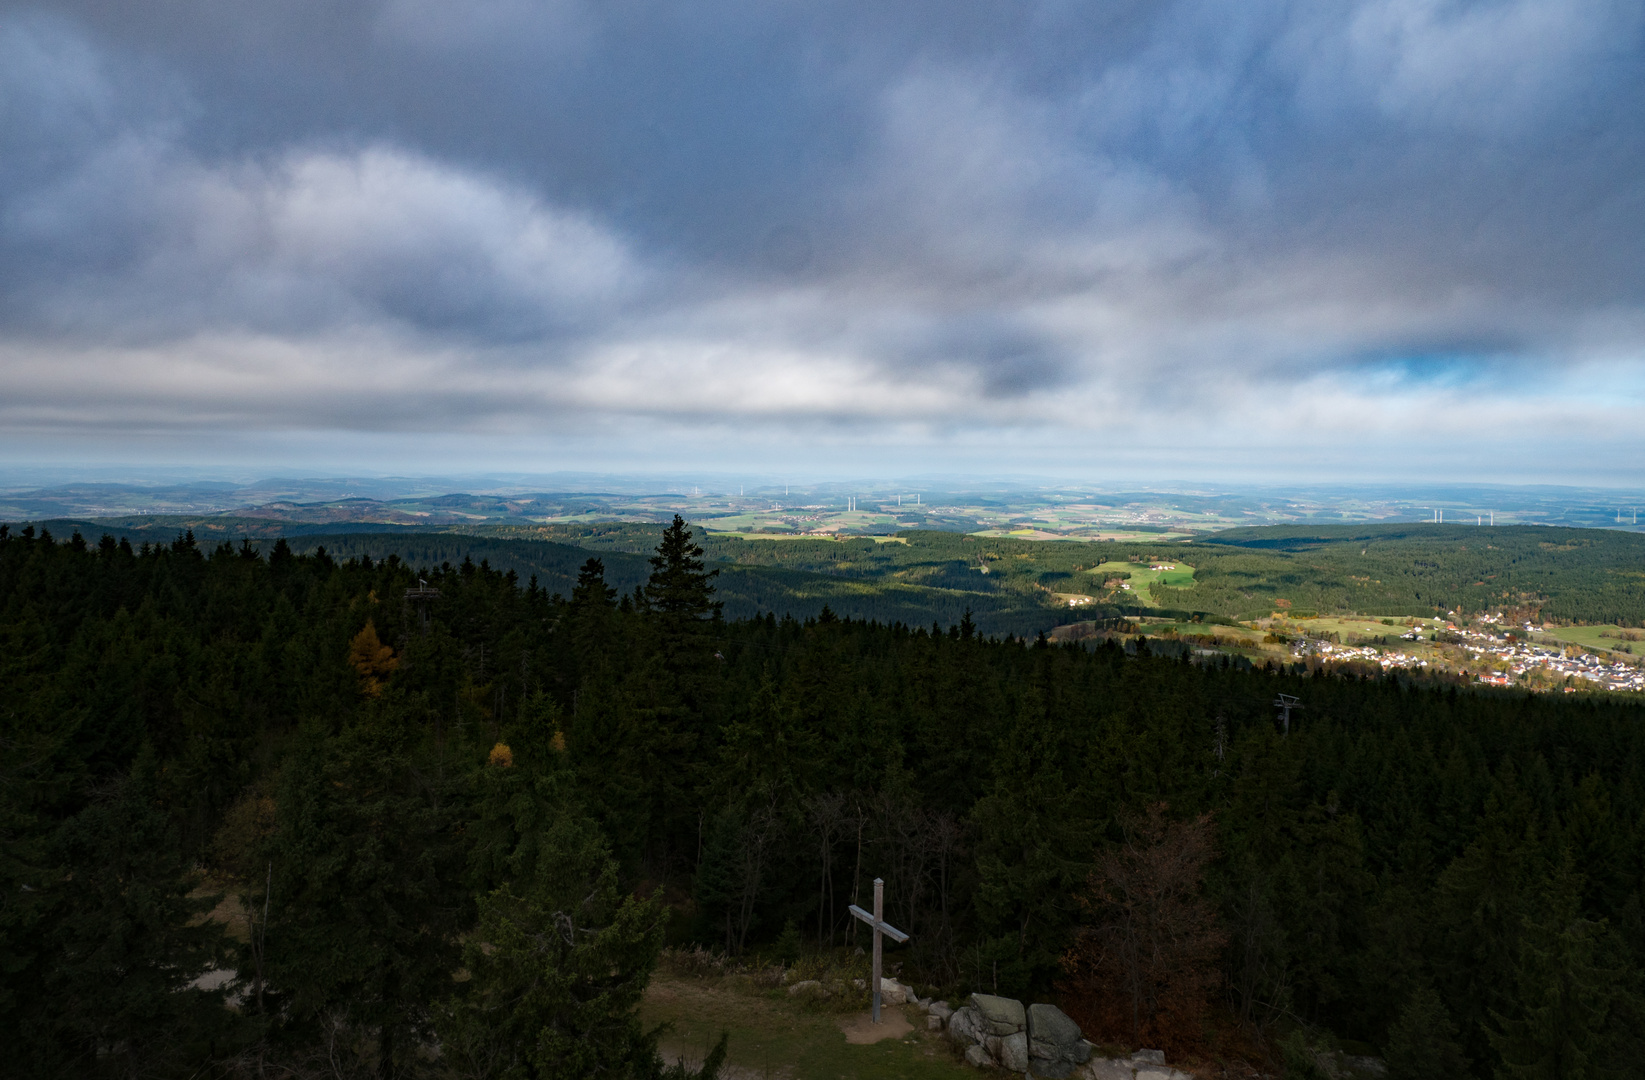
(1285, 703)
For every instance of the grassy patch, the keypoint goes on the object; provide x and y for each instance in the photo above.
(734, 535)
(1607, 637)
(1143, 577)
(773, 1035)
(1352, 629)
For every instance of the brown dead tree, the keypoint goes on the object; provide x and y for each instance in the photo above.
(1147, 963)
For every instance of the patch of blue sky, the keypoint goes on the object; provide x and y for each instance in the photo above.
(1446, 370)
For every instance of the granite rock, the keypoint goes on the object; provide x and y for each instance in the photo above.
(1050, 1068)
(1049, 1024)
(1002, 1016)
(1107, 1069)
(966, 1026)
(1013, 1052)
(1055, 1047)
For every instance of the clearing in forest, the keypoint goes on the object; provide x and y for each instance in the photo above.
(774, 1036)
(1141, 578)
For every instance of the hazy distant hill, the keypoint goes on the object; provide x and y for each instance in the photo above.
(745, 590)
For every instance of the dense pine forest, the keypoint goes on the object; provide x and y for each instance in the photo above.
(1012, 586)
(266, 812)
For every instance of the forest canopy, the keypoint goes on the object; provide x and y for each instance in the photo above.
(392, 775)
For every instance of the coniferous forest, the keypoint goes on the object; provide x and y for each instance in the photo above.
(381, 809)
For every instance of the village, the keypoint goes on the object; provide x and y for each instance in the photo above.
(1529, 656)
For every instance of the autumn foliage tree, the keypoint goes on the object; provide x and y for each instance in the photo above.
(1145, 964)
(373, 661)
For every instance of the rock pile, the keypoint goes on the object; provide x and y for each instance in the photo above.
(997, 1031)
(892, 992)
(1142, 1065)
(1040, 1041)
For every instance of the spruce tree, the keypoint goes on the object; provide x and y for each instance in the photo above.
(123, 945)
(679, 599)
(560, 957)
(1422, 1043)
(368, 894)
(674, 693)
(680, 590)
(1568, 981)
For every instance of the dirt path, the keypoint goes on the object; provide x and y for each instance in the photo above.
(860, 1029)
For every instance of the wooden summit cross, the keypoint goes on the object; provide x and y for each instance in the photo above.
(877, 921)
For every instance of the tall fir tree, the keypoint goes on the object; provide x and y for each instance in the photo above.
(1422, 1042)
(369, 892)
(1569, 979)
(123, 947)
(560, 957)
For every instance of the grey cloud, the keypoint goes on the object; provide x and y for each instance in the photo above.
(740, 210)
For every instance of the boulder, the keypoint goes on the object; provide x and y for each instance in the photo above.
(941, 1010)
(1108, 1069)
(1054, 1043)
(1148, 1057)
(1013, 1052)
(966, 1026)
(1050, 1068)
(1155, 1072)
(893, 992)
(1049, 1024)
(808, 988)
(933, 1023)
(976, 1055)
(1002, 1016)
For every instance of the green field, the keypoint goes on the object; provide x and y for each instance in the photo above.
(1142, 578)
(1079, 537)
(1606, 637)
(719, 534)
(1349, 628)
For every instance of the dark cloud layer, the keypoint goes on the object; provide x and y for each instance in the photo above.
(1025, 224)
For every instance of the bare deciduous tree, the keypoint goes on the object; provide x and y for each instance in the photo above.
(760, 838)
(830, 819)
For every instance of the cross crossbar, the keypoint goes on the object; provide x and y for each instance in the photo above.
(879, 924)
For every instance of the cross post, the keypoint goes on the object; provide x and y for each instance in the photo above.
(877, 921)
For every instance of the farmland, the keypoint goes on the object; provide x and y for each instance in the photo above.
(1553, 576)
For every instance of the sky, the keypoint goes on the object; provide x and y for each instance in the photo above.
(1265, 241)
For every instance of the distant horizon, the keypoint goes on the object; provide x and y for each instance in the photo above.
(1049, 507)
(14, 476)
